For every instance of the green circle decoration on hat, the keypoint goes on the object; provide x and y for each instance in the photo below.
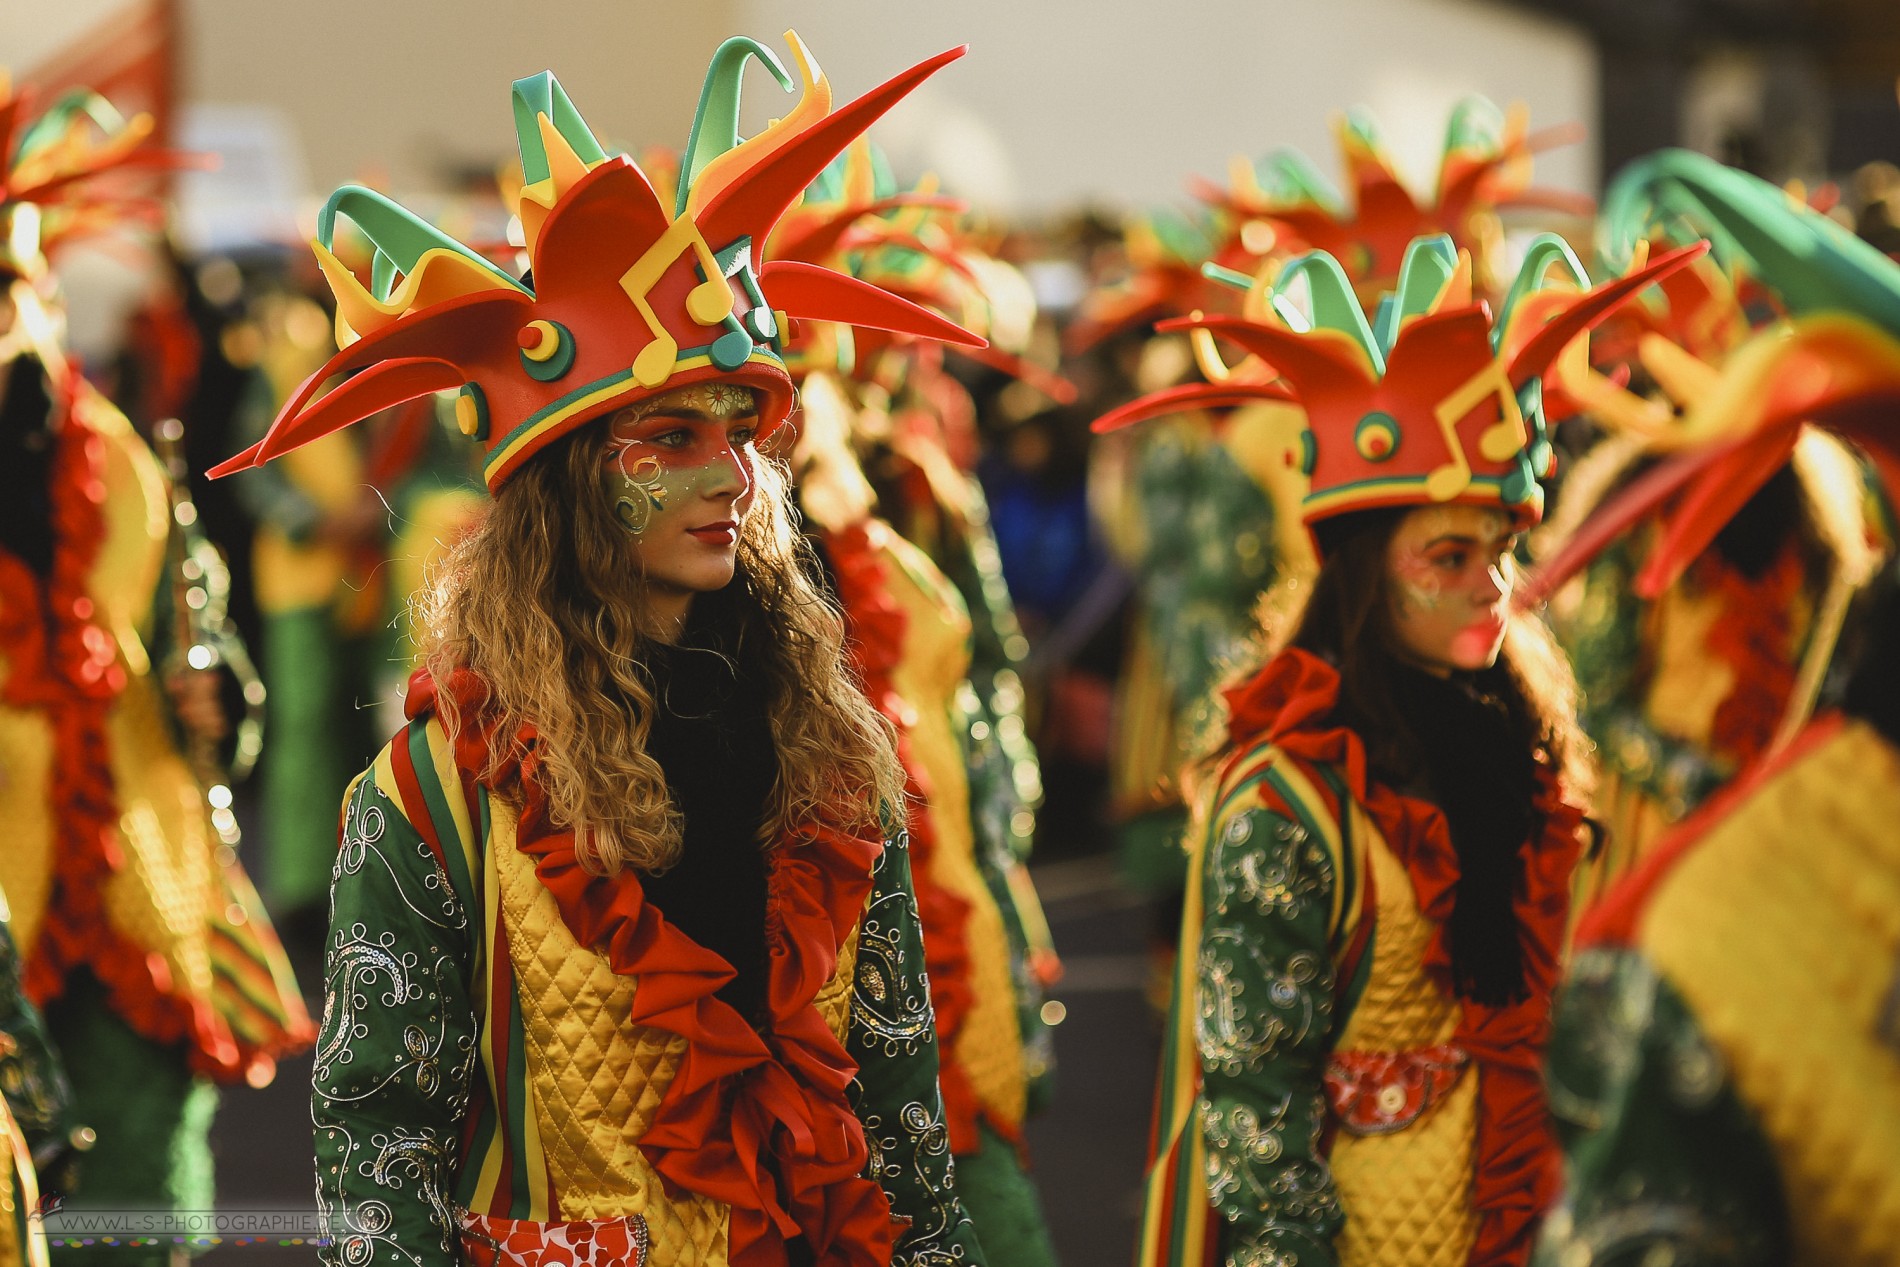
(730, 350)
(547, 350)
(471, 412)
(1377, 436)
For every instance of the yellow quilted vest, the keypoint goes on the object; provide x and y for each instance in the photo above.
(593, 1078)
(1781, 930)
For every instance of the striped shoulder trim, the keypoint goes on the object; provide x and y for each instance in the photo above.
(1286, 787)
(416, 770)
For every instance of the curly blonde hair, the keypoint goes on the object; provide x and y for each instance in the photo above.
(541, 601)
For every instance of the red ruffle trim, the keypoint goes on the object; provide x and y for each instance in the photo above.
(1754, 636)
(65, 665)
(875, 626)
(761, 1123)
(1516, 1165)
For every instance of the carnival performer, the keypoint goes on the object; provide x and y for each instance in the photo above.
(1206, 516)
(142, 940)
(1725, 1065)
(911, 629)
(1383, 861)
(1688, 684)
(624, 962)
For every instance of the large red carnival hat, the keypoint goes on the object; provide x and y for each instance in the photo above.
(624, 299)
(57, 170)
(1433, 402)
(55, 178)
(1284, 206)
(1164, 251)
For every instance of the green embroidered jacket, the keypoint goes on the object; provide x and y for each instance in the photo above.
(396, 1065)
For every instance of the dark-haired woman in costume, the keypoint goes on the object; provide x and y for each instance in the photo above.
(1386, 832)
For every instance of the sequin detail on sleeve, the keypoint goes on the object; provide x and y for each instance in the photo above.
(1263, 1021)
(396, 1048)
(892, 1036)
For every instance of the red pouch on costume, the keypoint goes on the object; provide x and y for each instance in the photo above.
(1378, 1092)
(488, 1241)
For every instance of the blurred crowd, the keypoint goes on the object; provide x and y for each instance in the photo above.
(1713, 572)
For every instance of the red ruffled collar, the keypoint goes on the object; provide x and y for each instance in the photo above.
(758, 1121)
(1289, 704)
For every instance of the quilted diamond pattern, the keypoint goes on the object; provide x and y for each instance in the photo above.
(1407, 1194)
(595, 1078)
(162, 899)
(834, 1000)
(1401, 1008)
(1781, 929)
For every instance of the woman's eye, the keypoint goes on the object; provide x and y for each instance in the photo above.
(678, 438)
(742, 436)
(1450, 561)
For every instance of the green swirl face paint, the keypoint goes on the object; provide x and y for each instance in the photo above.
(646, 492)
(680, 452)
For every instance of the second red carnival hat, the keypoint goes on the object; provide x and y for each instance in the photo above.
(625, 299)
(1431, 401)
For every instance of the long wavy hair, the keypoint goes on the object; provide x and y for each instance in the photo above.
(543, 601)
(1470, 744)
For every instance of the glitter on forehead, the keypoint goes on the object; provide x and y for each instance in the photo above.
(1485, 523)
(716, 400)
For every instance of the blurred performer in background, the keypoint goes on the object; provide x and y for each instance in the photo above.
(986, 944)
(624, 956)
(1382, 871)
(1725, 1069)
(1207, 515)
(155, 964)
(344, 526)
(1688, 683)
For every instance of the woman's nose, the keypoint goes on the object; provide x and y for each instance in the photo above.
(1495, 584)
(732, 473)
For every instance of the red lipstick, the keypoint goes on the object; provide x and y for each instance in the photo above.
(722, 533)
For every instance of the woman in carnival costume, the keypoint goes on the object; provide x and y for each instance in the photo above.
(1382, 871)
(1725, 1066)
(912, 629)
(1687, 683)
(141, 938)
(624, 963)
(1207, 516)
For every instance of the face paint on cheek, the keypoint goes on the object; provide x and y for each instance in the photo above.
(652, 487)
(1419, 582)
(1420, 587)
(646, 495)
